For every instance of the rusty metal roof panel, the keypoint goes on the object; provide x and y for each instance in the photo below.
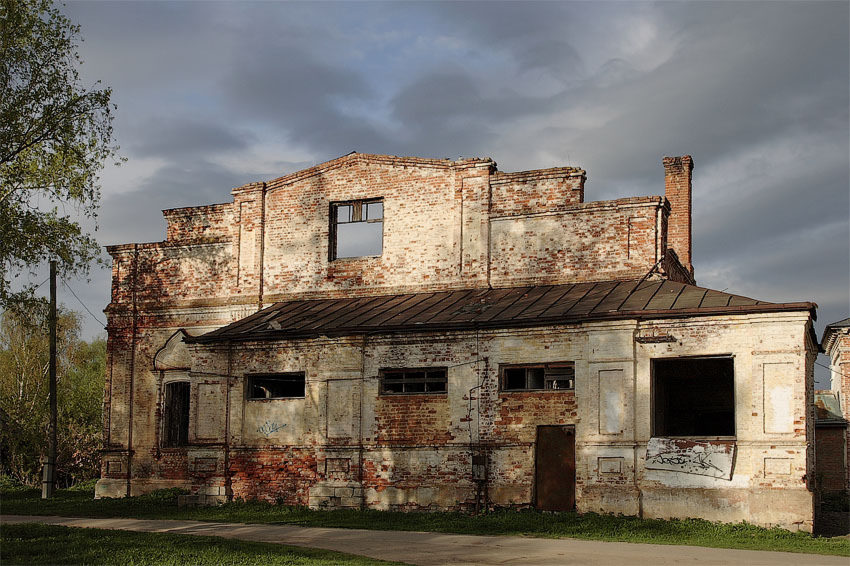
(690, 297)
(502, 305)
(328, 315)
(665, 296)
(715, 299)
(411, 312)
(573, 297)
(449, 305)
(489, 308)
(592, 298)
(408, 303)
(524, 302)
(356, 310)
(616, 297)
(737, 301)
(640, 296)
(492, 303)
(366, 317)
(553, 294)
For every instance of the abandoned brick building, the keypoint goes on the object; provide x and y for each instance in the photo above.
(396, 332)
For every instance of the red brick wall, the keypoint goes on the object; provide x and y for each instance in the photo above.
(830, 453)
(530, 192)
(593, 241)
(199, 223)
(283, 475)
(677, 189)
(412, 419)
(519, 413)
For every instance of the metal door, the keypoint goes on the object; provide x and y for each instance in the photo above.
(555, 470)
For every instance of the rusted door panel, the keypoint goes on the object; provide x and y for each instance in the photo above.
(555, 457)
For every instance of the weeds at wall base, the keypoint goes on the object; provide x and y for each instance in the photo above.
(162, 504)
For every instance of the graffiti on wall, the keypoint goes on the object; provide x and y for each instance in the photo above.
(714, 458)
(268, 428)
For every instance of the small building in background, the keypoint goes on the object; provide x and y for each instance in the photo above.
(833, 407)
(831, 437)
(404, 333)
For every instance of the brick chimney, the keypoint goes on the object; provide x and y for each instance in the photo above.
(677, 189)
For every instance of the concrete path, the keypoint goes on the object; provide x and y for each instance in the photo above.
(435, 548)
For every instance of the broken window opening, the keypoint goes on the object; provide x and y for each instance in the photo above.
(539, 377)
(276, 386)
(412, 381)
(176, 414)
(356, 228)
(693, 397)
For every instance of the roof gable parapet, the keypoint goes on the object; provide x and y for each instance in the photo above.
(388, 160)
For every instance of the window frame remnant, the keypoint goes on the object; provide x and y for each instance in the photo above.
(407, 381)
(709, 408)
(275, 386)
(175, 414)
(359, 211)
(538, 377)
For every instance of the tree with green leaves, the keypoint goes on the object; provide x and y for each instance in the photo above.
(55, 135)
(24, 415)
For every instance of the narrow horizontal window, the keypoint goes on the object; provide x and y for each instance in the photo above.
(276, 386)
(538, 377)
(410, 381)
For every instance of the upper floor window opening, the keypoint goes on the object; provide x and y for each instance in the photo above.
(538, 377)
(357, 228)
(413, 380)
(290, 385)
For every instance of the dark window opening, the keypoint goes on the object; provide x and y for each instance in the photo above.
(276, 386)
(539, 377)
(419, 380)
(693, 397)
(176, 414)
(357, 228)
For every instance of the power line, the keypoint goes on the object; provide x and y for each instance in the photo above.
(831, 369)
(34, 290)
(65, 284)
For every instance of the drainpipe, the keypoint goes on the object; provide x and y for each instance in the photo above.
(228, 483)
(159, 400)
(659, 253)
(262, 245)
(634, 418)
(360, 423)
(132, 368)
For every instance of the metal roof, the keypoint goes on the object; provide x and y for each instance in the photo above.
(489, 308)
(828, 408)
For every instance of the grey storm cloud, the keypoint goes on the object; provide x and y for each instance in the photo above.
(136, 216)
(179, 138)
(300, 95)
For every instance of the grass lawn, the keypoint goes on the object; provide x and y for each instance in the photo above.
(696, 532)
(52, 544)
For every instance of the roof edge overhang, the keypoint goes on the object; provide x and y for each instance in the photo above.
(809, 307)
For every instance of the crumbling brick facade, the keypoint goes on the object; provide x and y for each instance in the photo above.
(424, 373)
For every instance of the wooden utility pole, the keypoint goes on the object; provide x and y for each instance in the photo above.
(48, 481)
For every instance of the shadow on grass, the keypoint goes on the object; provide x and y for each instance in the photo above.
(696, 532)
(51, 544)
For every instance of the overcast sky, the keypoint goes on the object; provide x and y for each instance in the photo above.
(214, 95)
